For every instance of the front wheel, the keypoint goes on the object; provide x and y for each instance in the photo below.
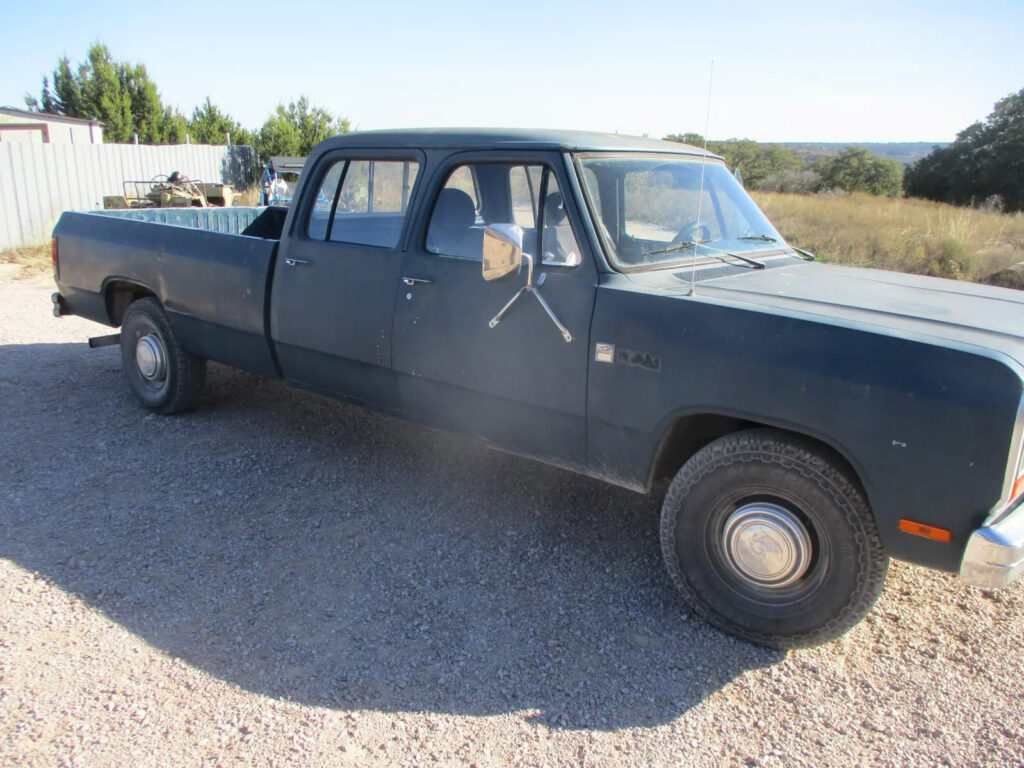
(164, 377)
(771, 541)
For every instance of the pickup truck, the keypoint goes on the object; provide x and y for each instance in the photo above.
(619, 307)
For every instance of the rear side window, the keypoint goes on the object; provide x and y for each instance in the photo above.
(363, 202)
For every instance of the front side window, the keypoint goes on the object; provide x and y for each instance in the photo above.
(655, 210)
(479, 194)
(363, 202)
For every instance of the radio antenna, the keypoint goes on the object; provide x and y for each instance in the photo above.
(700, 194)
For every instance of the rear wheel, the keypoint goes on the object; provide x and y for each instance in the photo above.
(164, 377)
(770, 540)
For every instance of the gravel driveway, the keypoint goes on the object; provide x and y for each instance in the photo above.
(281, 580)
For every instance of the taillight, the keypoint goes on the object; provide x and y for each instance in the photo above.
(56, 266)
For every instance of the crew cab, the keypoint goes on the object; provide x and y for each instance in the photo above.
(618, 307)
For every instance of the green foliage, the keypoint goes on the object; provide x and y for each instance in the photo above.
(857, 170)
(211, 126)
(755, 161)
(294, 130)
(694, 139)
(175, 127)
(775, 167)
(117, 94)
(127, 102)
(800, 181)
(984, 165)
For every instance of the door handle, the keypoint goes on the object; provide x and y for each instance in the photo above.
(292, 262)
(415, 280)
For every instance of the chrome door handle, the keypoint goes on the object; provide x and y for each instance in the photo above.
(292, 262)
(414, 280)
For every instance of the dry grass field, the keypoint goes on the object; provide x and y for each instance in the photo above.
(33, 260)
(905, 235)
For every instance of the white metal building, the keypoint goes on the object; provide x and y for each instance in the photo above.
(19, 125)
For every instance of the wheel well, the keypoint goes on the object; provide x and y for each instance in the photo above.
(119, 295)
(689, 434)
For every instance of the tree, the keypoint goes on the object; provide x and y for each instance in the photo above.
(209, 125)
(294, 130)
(694, 139)
(797, 181)
(755, 161)
(857, 170)
(985, 163)
(117, 94)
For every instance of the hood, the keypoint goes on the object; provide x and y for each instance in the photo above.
(930, 309)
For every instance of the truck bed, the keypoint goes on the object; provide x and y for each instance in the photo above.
(207, 268)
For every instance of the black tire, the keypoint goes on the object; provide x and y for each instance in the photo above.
(164, 377)
(769, 540)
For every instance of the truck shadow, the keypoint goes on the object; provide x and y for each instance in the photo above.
(305, 549)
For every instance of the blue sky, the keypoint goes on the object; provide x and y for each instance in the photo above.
(783, 71)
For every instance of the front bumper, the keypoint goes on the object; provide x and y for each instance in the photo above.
(995, 553)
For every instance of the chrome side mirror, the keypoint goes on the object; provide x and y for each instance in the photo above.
(502, 251)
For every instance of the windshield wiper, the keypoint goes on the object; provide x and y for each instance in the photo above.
(769, 239)
(752, 262)
(675, 247)
(704, 244)
(805, 255)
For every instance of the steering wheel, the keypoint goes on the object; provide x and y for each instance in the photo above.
(693, 233)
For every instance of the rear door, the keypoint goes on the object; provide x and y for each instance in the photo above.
(333, 297)
(519, 384)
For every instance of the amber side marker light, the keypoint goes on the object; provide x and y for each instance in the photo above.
(923, 529)
(1018, 488)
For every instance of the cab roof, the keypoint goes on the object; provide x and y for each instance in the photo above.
(506, 138)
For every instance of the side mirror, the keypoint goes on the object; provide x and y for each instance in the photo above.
(502, 251)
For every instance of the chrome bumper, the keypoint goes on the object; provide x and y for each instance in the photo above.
(995, 553)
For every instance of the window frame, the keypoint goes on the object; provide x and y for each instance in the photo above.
(551, 162)
(323, 166)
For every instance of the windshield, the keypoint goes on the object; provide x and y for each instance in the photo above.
(647, 206)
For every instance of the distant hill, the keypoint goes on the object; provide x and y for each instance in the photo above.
(905, 152)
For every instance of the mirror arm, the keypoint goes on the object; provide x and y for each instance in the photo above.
(558, 323)
(530, 288)
(497, 318)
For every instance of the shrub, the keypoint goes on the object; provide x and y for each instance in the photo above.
(800, 182)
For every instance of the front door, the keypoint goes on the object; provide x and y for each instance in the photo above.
(333, 297)
(518, 384)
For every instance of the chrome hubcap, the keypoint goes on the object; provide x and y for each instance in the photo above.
(150, 358)
(766, 545)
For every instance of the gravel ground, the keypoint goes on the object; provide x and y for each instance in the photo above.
(281, 580)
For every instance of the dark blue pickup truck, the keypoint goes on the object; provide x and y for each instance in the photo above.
(621, 308)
